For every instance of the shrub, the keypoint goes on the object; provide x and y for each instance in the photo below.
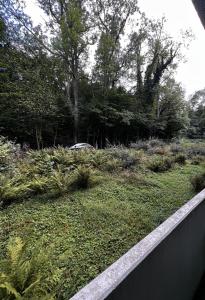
(151, 146)
(60, 182)
(99, 158)
(156, 143)
(161, 164)
(82, 177)
(23, 277)
(111, 165)
(158, 150)
(38, 185)
(10, 191)
(180, 159)
(198, 182)
(126, 158)
(42, 161)
(63, 156)
(140, 145)
(195, 151)
(8, 151)
(175, 148)
(197, 160)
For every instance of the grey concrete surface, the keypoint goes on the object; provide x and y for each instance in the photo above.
(166, 265)
(200, 7)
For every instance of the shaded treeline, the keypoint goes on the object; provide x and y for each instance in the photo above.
(96, 71)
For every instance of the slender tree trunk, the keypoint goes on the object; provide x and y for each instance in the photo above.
(76, 109)
(39, 139)
(55, 137)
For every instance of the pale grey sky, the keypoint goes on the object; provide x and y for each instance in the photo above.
(180, 15)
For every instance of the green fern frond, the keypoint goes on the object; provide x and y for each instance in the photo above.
(10, 290)
(15, 249)
(31, 286)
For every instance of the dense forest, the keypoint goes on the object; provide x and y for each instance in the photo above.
(96, 71)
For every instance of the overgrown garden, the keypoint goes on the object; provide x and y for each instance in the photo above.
(83, 209)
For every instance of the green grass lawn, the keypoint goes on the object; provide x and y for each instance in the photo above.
(85, 231)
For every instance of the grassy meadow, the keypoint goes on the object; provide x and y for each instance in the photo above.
(83, 209)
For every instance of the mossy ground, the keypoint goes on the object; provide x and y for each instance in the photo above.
(87, 230)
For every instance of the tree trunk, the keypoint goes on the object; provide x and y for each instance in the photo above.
(76, 109)
(39, 140)
(55, 137)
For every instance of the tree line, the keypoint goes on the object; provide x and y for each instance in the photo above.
(96, 71)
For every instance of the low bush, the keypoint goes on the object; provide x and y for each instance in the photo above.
(176, 148)
(180, 159)
(156, 143)
(197, 160)
(82, 178)
(126, 158)
(158, 150)
(8, 153)
(10, 191)
(161, 164)
(198, 182)
(60, 182)
(63, 156)
(195, 151)
(99, 158)
(153, 146)
(42, 162)
(23, 277)
(111, 165)
(38, 185)
(140, 145)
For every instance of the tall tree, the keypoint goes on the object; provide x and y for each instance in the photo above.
(111, 17)
(69, 25)
(152, 52)
(171, 111)
(196, 107)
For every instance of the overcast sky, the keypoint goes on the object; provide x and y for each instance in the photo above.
(180, 15)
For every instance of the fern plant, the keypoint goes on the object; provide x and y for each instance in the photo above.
(60, 182)
(38, 185)
(82, 177)
(27, 278)
(11, 191)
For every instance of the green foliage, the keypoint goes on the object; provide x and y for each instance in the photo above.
(60, 182)
(38, 185)
(43, 94)
(24, 277)
(126, 158)
(90, 229)
(198, 182)
(195, 151)
(10, 191)
(180, 159)
(7, 153)
(176, 148)
(197, 160)
(196, 114)
(82, 177)
(42, 161)
(161, 164)
(60, 171)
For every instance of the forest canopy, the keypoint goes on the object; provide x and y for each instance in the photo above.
(97, 71)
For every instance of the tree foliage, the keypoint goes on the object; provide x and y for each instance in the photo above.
(97, 71)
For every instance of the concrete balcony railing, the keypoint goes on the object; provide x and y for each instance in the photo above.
(168, 264)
